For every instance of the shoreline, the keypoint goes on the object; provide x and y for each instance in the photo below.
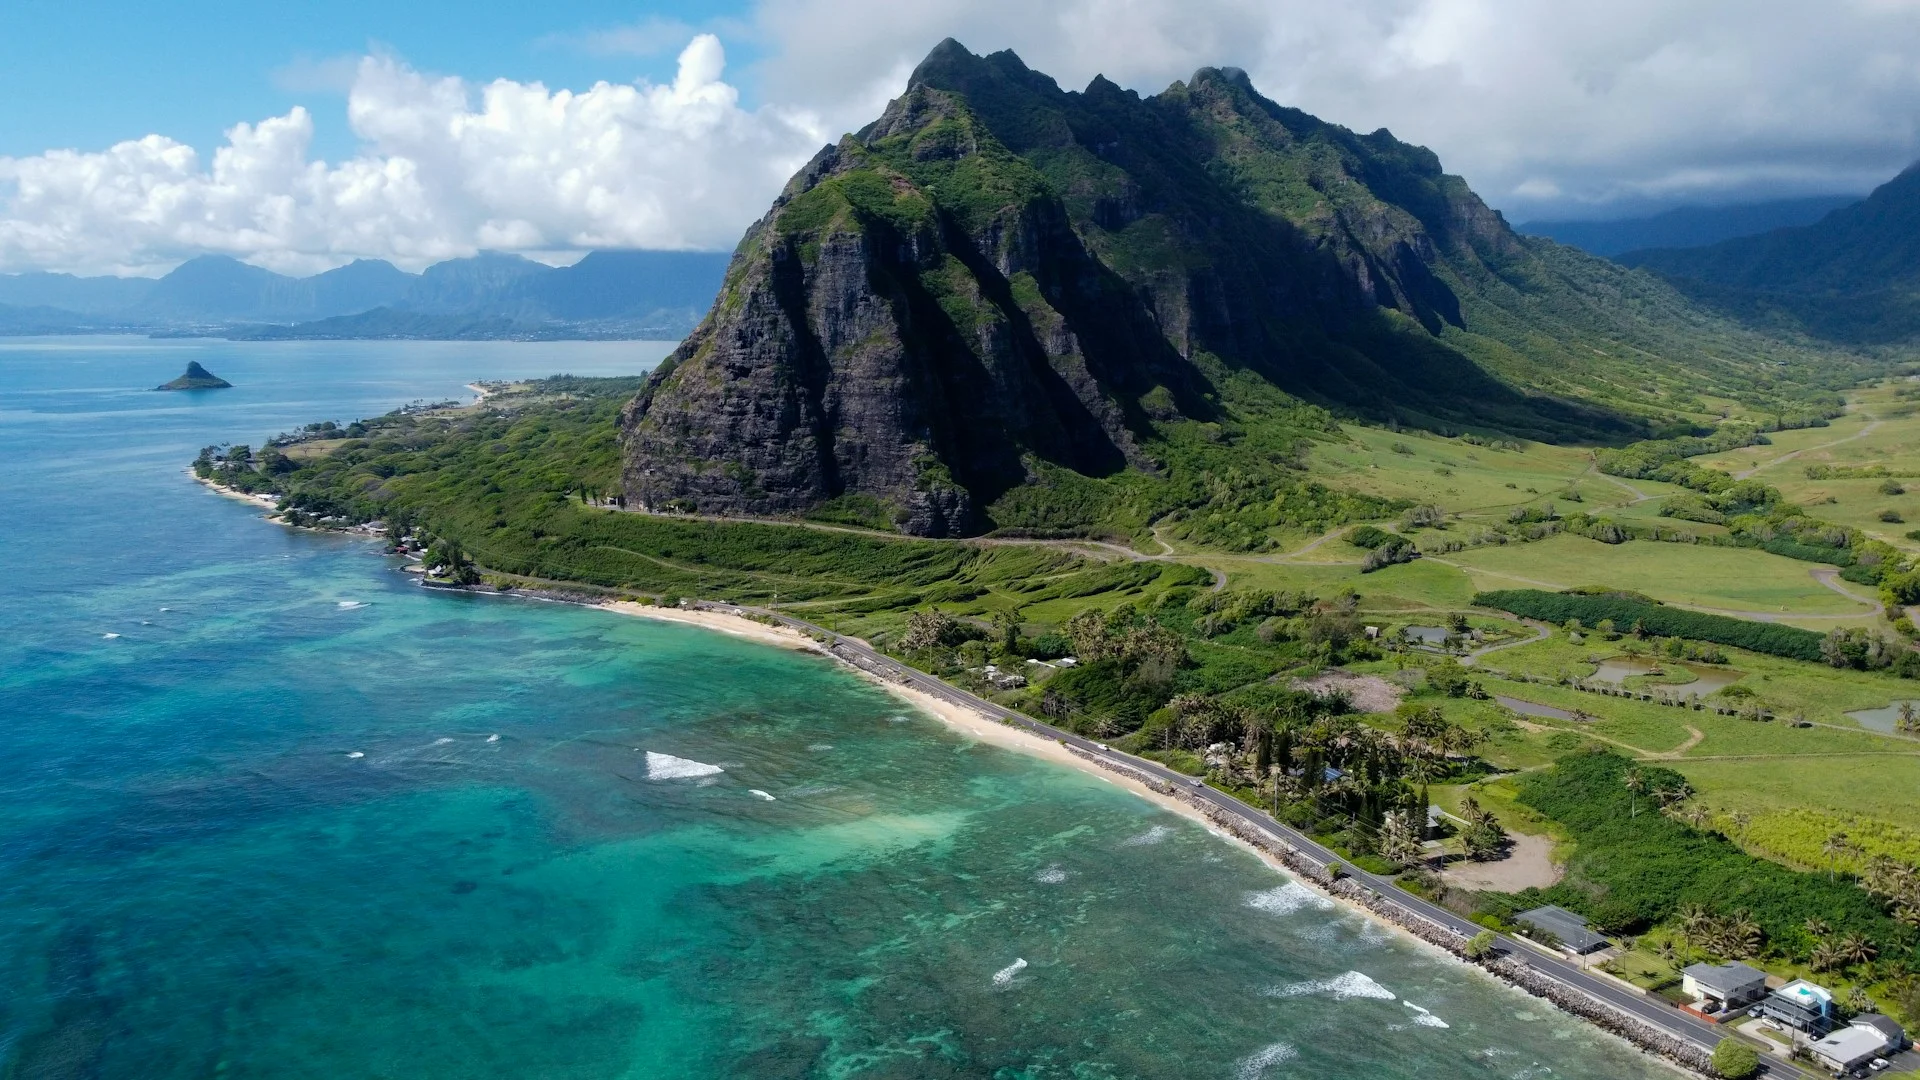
(1349, 895)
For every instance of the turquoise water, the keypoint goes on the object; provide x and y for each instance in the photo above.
(301, 819)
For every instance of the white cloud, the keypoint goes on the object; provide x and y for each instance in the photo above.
(445, 168)
(1546, 106)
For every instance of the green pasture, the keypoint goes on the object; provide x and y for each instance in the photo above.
(1734, 579)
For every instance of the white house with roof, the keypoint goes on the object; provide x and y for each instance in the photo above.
(1800, 1005)
(1724, 986)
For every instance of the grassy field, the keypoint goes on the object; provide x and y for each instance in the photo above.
(1732, 579)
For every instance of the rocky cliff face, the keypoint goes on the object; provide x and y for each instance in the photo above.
(882, 342)
(999, 280)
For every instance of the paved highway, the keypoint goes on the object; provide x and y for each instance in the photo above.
(1660, 1015)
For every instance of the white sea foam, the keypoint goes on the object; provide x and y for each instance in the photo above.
(762, 794)
(1255, 1065)
(896, 719)
(1151, 836)
(1052, 875)
(1287, 899)
(356, 754)
(820, 746)
(811, 789)
(349, 605)
(668, 767)
(442, 741)
(1343, 987)
(166, 609)
(1005, 975)
(1425, 1018)
(493, 738)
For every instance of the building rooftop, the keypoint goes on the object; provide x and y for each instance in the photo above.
(1806, 995)
(1725, 977)
(1851, 1044)
(1885, 1025)
(1571, 929)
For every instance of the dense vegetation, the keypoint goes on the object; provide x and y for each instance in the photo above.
(1645, 616)
(1636, 865)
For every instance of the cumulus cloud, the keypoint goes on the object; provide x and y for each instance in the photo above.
(445, 168)
(1544, 105)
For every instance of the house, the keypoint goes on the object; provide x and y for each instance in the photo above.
(1004, 680)
(1372, 632)
(1800, 1005)
(1896, 1035)
(1571, 929)
(1724, 986)
(1849, 1048)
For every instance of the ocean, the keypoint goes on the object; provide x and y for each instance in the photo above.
(267, 809)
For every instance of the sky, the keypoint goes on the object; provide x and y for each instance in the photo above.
(299, 136)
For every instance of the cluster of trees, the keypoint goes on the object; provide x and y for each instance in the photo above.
(1633, 869)
(1648, 617)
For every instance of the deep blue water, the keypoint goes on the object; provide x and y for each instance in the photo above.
(266, 809)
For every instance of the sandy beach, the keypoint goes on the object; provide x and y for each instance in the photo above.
(972, 724)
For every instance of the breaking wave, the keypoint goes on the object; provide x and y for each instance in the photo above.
(668, 767)
(1005, 975)
(1340, 988)
(762, 794)
(1287, 899)
(1425, 1018)
(1255, 1065)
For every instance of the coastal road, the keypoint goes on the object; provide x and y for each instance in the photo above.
(1656, 1013)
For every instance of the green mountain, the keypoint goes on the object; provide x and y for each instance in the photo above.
(1004, 305)
(1687, 226)
(1853, 276)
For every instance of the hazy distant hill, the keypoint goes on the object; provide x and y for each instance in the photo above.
(1686, 226)
(606, 294)
(1852, 276)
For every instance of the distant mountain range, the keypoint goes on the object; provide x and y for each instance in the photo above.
(1686, 226)
(1852, 276)
(491, 295)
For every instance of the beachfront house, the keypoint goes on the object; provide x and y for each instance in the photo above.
(1850, 1047)
(1724, 986)
(1800, 1005)
(1571, 930)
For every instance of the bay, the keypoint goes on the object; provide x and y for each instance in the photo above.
(266, 809)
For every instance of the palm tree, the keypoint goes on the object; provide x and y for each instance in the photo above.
(1423, 770)
(1835, 845)
(1741, 821)
(1908, 720)
(1696, 924)
(1743, 935)
(1825, 957)
(1636, 784)
(1855, 949)
(1816, 928)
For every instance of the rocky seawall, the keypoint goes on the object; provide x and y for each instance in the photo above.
(1506, 967)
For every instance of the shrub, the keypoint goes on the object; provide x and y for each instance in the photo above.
(1891, 516)
(1891, 487)
(1655, 618)
(1735, 1060)
(1369, 537)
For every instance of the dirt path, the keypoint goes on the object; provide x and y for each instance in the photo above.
(1831, 579)
(1541, 631)
(1694, 735)
(1789, 456)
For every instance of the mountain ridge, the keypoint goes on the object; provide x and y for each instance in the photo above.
(1853, 276)
(604, 294)
(1000, 286)
(1685, 226)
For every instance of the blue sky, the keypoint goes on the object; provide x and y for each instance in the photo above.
(97, 73)
(301, 135)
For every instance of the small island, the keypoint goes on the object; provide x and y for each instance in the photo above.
(195, 378)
